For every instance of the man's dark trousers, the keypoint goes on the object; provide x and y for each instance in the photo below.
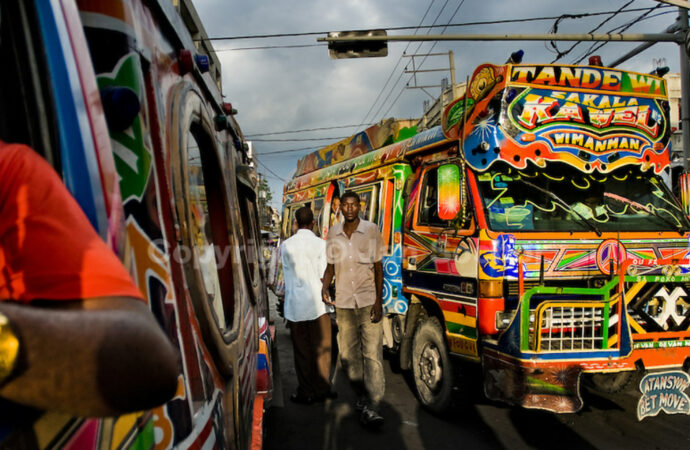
(311, 343)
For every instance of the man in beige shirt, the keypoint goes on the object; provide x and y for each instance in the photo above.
(354, 250)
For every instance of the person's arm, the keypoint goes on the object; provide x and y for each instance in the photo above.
(92, 357)
(326, 281)
(377, 310)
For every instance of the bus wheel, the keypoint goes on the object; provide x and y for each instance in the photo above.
(431, 366)
(609, 383)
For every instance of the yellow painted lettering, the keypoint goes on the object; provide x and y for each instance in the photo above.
(520, 74)
(590, 78)
(589, 100)
(568, 78)
(600, 118)
(573, 97)
(546, 76)
(643, 119)
(604, 102)
(618, 102)
(612, 144)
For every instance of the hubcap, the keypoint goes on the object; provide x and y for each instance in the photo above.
(430, 371)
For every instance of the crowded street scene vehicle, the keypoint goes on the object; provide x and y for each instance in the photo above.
(126, 107)
(533, 232)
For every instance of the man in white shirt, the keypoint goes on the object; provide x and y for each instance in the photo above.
(303, 257)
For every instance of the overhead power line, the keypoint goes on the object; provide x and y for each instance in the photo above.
(462, 2)
(396, 65)
(269, 47)
(554, 30)
(621, 28)
(300, 140)
(305, 130)
(390, 92)
(462, 24)
(269, 169)
(292, 150)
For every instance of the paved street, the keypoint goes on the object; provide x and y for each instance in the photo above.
(608, 422)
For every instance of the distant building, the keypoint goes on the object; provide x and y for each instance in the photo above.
(673, 84)
(433, 111)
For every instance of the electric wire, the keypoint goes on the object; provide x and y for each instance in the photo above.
(461, 24)
(291, 150)
(593, 48)
(425, 57)
(396, 65)
(304, 130)
(269, 169)
(394, 86)
(268, 47)
(554, 29)
(302, 139)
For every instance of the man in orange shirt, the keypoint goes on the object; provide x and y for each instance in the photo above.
(75, 333)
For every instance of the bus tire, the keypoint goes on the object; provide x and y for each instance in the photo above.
(609, 383)
(431, 366)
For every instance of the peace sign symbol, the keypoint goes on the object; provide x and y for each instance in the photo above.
(610, 250)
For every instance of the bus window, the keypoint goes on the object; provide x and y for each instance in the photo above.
(318, 210)
(368, 201)
(250, 236)
(201, 229)
(203, 195)
(26, 106)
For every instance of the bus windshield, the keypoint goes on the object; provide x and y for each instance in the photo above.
(561, 198)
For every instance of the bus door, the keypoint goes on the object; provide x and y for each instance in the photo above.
(440, 253)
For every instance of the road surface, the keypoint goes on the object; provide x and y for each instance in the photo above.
(606, 422)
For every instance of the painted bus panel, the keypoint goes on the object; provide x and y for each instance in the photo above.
(135, 134)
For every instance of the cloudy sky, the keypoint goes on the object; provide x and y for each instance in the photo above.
(294, 85)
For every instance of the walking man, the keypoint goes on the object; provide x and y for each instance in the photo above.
(354, 249)
(303, 258)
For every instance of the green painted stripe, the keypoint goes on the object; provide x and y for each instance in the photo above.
(548, 387)
(465, 331)
(145, 439)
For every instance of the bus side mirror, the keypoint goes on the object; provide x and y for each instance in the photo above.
(448, 191)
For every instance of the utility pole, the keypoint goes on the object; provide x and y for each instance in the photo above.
(415, 71)
(684, 89)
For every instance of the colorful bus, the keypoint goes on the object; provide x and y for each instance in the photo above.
(119, 98)
(532, 233)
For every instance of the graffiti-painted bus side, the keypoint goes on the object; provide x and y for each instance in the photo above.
(138, 130)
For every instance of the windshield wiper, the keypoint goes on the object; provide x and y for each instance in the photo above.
(563, 203)
(678, 227)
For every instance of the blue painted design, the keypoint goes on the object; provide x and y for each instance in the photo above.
(392, 281)
(503, 262)
(425, 138)
(77, 152)
(485, 131)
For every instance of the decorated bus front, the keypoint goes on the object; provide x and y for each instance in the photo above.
(578, 229)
